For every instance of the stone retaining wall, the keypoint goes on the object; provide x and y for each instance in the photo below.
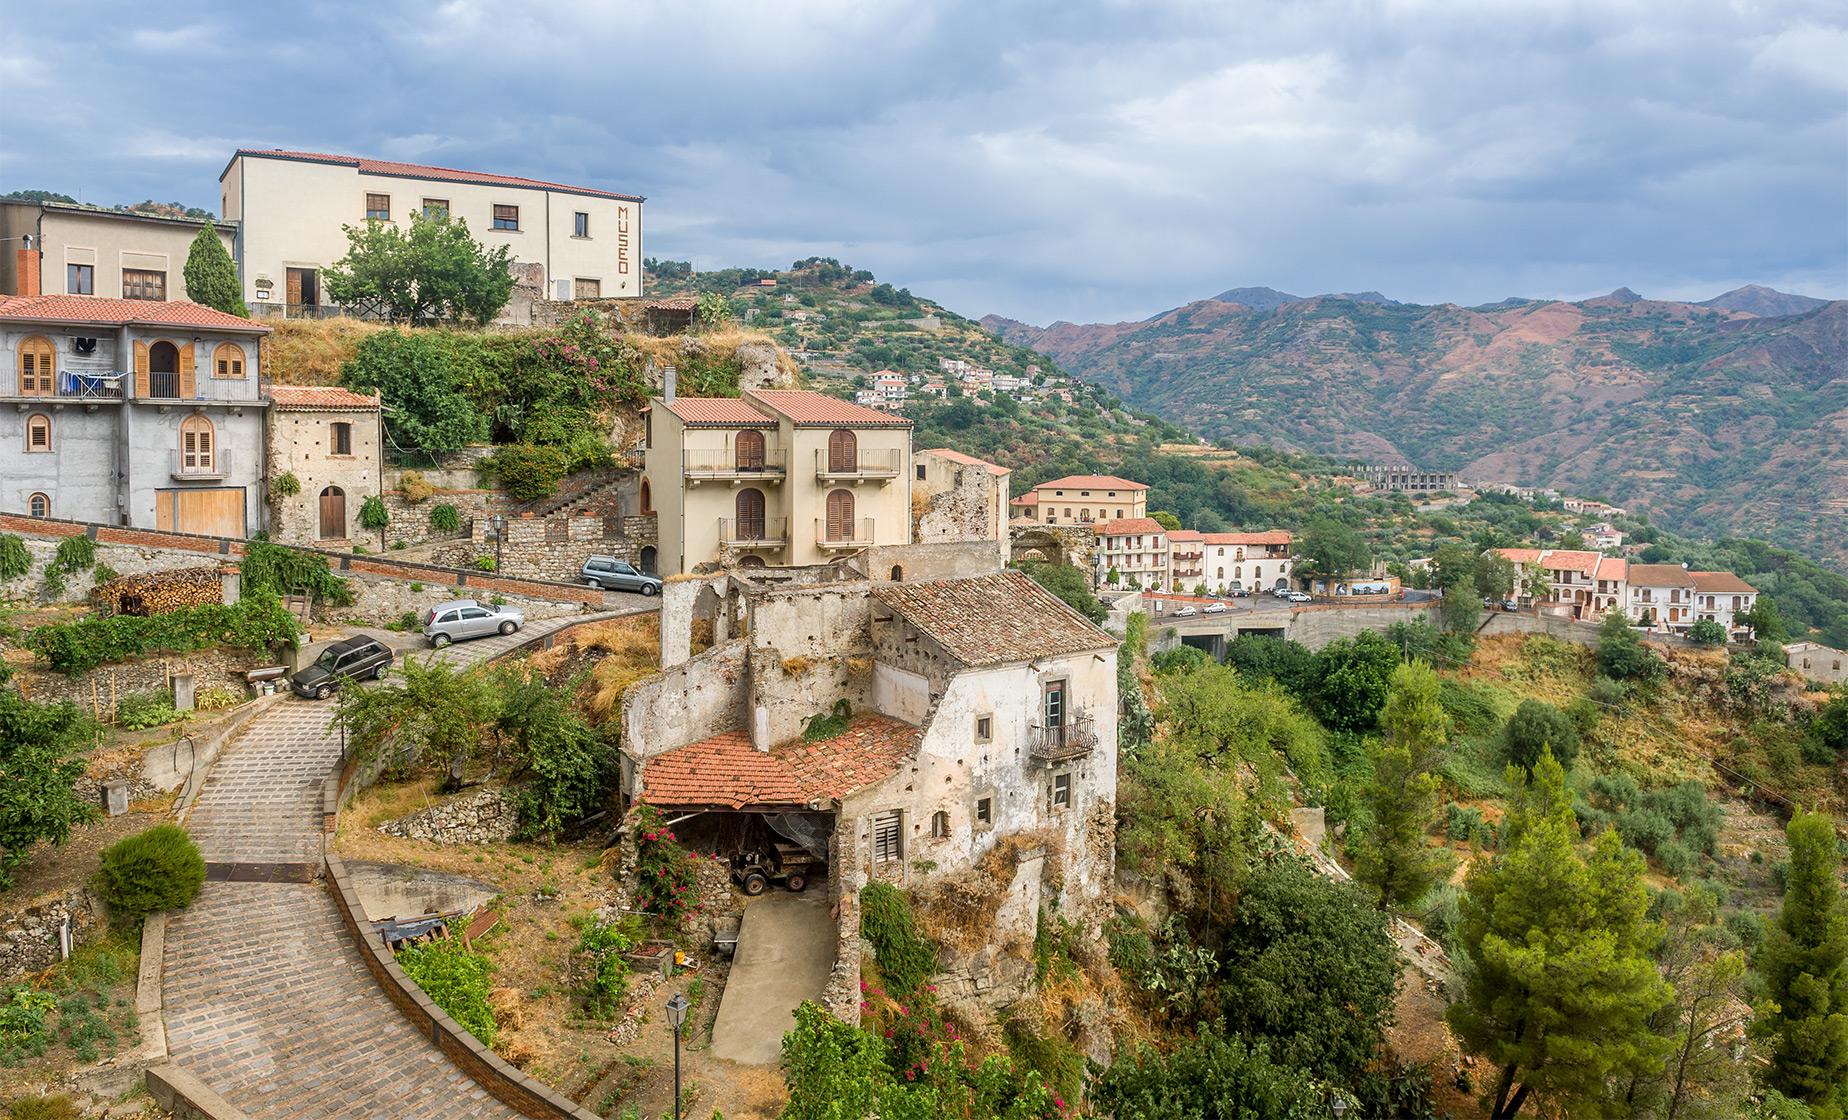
(29, 935)
(483, 816)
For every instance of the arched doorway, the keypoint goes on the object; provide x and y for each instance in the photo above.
(840, 515)
(333, 514)
(748, 451)
(749, 508)
(843, 451)
(647, 558)
(163, 370)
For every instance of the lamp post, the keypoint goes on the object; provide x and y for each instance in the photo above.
(677, 1006)
(500, 532)
(1340, 1106)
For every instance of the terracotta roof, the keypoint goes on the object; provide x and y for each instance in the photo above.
(1659, 575)
(804, 407)
(1519, 555)
(994, 619)
(1092, 482)
(305, 397)
(423, 171)
(1613, 567)
(123, 312)
(727, 411)
(1123, 526)
(967, 460)
(672, 303)
(1718, 583)
(726, 772)
(1028, 499)
(1186, 535)
(1268, 536)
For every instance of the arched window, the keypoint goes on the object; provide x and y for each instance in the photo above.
(840, 515)
(198, 448)
(39, 505)
(38, 432)
(939, 824)
(751, 562)
(898, 573)
(748, 451)
(749, 507)
(843, 451)
(228, 360)
(1219, 573)
(38, 367)
(333, 514)
(647, 497)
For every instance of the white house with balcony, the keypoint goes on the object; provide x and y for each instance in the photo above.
(1259, 561)
(141, 413)
(1132, 553)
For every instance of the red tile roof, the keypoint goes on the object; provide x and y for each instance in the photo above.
(1613, 567)
(1030, 498)
(424, 171)
(1268, 536)
(1721, 583)
(726, 772)
(123, 312)
(1660, 575)
(1570, 560)
(968, 461)
(672, 303)
(308, 397)
(804, 407)
(1519, 555)
(1186, 535)
(1123, 526)
(1091, 482)
(727, 411)
(994, 619)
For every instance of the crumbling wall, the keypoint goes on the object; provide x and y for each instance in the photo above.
(694, 700)
(914, 563)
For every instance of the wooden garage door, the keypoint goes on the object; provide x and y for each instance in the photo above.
(216, 511)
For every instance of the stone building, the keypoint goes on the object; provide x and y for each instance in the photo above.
(328, 439)
(1387, 476)
(1259, 561)
(958, 497)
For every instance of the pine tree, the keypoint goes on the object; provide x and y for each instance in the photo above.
(1394, 859)
(1804, 966)
(211, 278)
(1560, 987)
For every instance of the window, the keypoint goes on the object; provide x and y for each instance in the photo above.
(196, 441)
(37, 367)
(985, 810)
(586, 288)
(80, 279)
(647, 497)
(748, 451)
(1061, 791)
(843, 451)
(839, 525)
(920, 472)
(340, 440)
(1054, 707)
(436, 209)
(748, 506)
(506, 217)
(378, 208)
(39, 505)
(889, 837)
(38, 432)
(940, 824)
(580, 224)
(141, 283)
(228, 361)
(984, 728)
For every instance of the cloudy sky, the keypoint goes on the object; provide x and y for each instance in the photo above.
(1043, 160)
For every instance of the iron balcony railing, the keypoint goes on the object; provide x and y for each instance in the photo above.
(855, 532)
(215, 464)
(867, 464)
(1062, 742)
(754, 532)
(164, 386)
(730, 464)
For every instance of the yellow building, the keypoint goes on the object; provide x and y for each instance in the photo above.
(1083, 499)
(775, 477)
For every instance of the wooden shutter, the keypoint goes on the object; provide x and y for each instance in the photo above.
(141, 370)
(188, 385)
(749, 450)
(840, 515)
(750, 510)
(888, 837)
(842, 450)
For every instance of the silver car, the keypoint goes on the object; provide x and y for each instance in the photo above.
(463, 619)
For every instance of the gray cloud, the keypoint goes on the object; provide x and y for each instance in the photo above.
(1045, 160)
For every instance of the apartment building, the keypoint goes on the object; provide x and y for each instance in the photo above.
(1186, 559)
(1083, 499)
(1247, 561)
(131, 412)
(1722, 597)
(1132, 553)
(1588, 583)
(292, 207)
(61, 248)
(1660, 597)
(773, 478)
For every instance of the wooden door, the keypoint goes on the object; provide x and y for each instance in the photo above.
(843, 451)
(840, 515)
(217, 511)
(333, 514)
(748, 451)
(749, 507)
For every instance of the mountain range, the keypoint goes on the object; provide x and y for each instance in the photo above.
(1724, 416)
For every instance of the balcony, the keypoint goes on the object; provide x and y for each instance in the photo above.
(866, 465)
(164, 386)
(1075, 738)
(857, 532)
(730, 466)
(754, 532)
(195, 467)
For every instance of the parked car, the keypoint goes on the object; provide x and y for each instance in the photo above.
(612, 573)
(1187, 611)
(349, 659)
(1281, 592)
(1239, 593)
(1215, 608)
(463, 619)
(1297, 596)
(1510, 605)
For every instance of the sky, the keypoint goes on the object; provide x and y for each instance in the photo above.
(1041, 160)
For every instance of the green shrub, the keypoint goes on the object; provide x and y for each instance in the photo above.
(15, 558)
(415, 487)
(1707, 632)
(285, 485)
(279, 570)
(252, 623)
(372, 513)
(216, 699)
(444, 518)
(605, 944)
(56, 1107)
(906, 957)
(528, 471)
(159, 869)
(141, 710)
(1466, 824)
(486, 564)
(103, 573)
(23, 1029)
(456, 979)
(75, 554)
(1537, 725)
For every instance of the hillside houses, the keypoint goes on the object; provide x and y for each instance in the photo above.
(1666, 598)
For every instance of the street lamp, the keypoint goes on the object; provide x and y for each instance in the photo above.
(500, 533)
(1340, 1106)
(677, 1007)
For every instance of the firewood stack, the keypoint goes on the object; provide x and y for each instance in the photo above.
(158, 592)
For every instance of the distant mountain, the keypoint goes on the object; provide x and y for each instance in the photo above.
(1714, 420)
(1258, 299)
(1503, 304)
(1756, 299)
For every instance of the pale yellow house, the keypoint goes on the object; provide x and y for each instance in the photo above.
(68, 249)
(1083, 499)
(773, 478)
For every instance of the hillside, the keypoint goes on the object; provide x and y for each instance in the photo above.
(1711, 420)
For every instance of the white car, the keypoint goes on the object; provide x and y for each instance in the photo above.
(1186, 612)
(1297, 597)
(1215, 608)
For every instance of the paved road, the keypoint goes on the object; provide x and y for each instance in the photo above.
(785, 953)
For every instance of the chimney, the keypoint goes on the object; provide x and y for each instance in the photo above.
(28, 272)
(668, 376)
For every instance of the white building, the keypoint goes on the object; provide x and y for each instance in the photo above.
(1247, 561)
(291, 207)
(1135, 550)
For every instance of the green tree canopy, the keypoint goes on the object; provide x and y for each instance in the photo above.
(417, 379)
(39, 767)
(1707, 632)
(1329, 548)
(1211, 1077)
(1259, 657)
(1352, 679)
(1221, 720)
(1766, 621)
(1559, 985)
(432, 272)
(1394, 861)
(1165, 519)
(1622, 654)
(1494, 576)
(1536, 727)
(1804, 967)
(211, 277)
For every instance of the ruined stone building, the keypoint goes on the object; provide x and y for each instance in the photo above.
(959, 498)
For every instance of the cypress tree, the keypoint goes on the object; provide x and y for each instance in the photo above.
(1394, 859)
(1804, 966)
(211, 278)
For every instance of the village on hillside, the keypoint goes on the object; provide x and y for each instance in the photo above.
(442, 677)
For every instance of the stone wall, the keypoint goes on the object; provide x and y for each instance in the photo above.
(482, 816)
(694, 700)
(410, 521)
(29, 934)
(97, 691)
(379, 600)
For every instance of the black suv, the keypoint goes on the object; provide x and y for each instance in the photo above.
(352, 658)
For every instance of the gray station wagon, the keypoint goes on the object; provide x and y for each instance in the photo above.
(614, 574)
(463, 619)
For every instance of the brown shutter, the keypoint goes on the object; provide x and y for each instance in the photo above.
(188, 386)
(840, 515)
(141, 370)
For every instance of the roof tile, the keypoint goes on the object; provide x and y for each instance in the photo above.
(1721, 583)
(1091, 482)
(994, 619)
(727, 772)
(1268, 536)
(428, 171)
(729, 411)
(327, 397)
(123, 312)
(803, 406)
(967, 460)
(1123, 526)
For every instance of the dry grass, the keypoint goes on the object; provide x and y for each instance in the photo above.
(622, 651)
(797, 666)
(960, 911)
(666, 350)
(311, 351)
